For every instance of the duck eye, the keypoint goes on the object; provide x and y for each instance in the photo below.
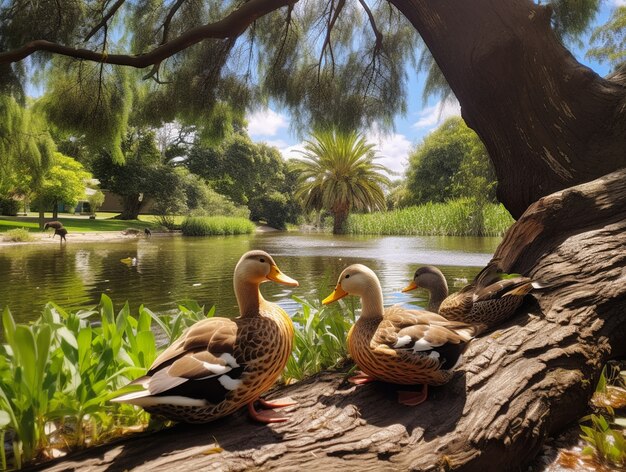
(347, 276)
(262, 260)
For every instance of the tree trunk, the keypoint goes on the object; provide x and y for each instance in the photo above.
(518, 384)
(339, 221)
(131, 207)
(55, 210)
(41, 218)
(547, 121)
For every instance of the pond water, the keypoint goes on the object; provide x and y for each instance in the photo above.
(171, 269)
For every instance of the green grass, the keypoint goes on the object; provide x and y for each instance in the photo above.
(320, 340)
(75, 224)
(216, 225)
(58, 374)
(18, 235)
(454, 218)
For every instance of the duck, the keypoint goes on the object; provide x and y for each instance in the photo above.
(399, 345)
(491, 298)
(220, 365)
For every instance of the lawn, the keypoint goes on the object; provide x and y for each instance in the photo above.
(103, 222)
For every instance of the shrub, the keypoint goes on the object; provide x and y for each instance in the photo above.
(216, 225)
(18, 235)
(9, 206)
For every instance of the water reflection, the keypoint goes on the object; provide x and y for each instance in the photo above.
(171, 269)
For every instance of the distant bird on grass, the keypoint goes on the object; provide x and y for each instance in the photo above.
(62, 232)
(147, 232)
(52, 224)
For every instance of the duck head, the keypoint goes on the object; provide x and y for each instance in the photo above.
(258, 267)
(356, 279)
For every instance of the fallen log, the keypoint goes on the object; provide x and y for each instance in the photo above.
(519, 384)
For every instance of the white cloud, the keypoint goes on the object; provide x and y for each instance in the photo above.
(619, 3)
(289, 152)
(393, 148)
(431, 116)
(265, 122)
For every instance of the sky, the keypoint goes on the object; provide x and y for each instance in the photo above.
(272, 125)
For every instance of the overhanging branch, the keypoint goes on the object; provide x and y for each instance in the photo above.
(231, 26)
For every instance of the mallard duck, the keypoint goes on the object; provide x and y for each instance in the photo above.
(491, 298)
(399, 345)
(220, 364)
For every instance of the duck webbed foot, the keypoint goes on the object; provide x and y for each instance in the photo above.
(361, 378)
(411, 398)
(267, 415)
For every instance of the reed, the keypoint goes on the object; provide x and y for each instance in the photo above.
(216, 226)
(18, 235)
(454, 218)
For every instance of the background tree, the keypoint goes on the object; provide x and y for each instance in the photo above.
(137, 177)
(63, 183)
(450, 163)
(338, 174)
(250, 174)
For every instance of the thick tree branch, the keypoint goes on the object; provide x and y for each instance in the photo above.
(231, 26)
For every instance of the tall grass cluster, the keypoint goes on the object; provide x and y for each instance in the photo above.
(58, 374)
(18, 235)
(216, 226)
(454, 218)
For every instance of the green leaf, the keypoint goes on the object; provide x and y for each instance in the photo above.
(67, 336)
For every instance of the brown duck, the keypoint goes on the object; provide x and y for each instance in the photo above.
(490, 299)
(398, 345)
(219, 364)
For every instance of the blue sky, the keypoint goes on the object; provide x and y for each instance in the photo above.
(272, 125)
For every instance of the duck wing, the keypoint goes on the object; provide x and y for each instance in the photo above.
(420, 334)
(200, 366)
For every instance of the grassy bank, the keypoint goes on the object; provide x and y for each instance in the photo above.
(454, 218)
(58, 374)
(216, 225)
(77, 224)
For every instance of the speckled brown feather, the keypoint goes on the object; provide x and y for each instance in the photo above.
(371, 345)
(486, 302)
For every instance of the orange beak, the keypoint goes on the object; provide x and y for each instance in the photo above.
(276, 275)
(336, 295)
(411, 286)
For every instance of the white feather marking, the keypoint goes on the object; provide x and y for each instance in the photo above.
(422, 345)
(474, 298)
(229, 383)
(434, 355)
(537, 285)
(402, 341)
(216, 369)
(130, 397)
(230, 360)
(168, 400)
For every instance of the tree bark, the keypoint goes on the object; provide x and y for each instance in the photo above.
(547, 121)
(131, 207)
(519, 384)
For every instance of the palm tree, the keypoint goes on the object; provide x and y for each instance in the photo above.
(338, 173)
